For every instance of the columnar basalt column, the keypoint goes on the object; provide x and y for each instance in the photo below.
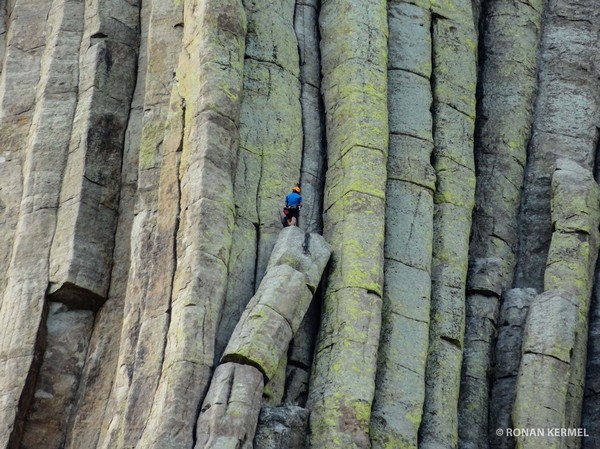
(354, 67)
(206, 132)
(454, 84)
(257, 349)
(510, 40)
(400, 387)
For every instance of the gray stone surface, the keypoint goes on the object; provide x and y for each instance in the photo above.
(274, 314)
(281, 428)
(66, 348)
(312, 174)
(354, 86)
(35, 166)
(270, 150)
(229, 413)
(144, 322)
(203, 139)
(400, 383)
(541, 391)
(454, 87)
(566, 126)
(306, 253)
(572, 257)
(168, 222)
(511, 324)
(82, 248)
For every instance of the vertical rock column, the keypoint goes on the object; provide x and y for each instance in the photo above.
(210, 84)
(270, 151)
(511, 35)
(400, 387)
(571, 262)
(454, 84)
(565, 123)
(591, 404)
(146, 314)
(68, 331)
(306, 26)
(543, 380)
(88, 423)
(82, 249)
(554, 345)
(44, 155)
(511, 325)
(24, 45)
(354, 66)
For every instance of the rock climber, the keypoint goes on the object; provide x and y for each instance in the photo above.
(293, 204)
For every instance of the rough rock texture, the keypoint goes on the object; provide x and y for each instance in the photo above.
(260, 341)
(454, 85)
(66, 348)
(571, 263)
(270, 150)
(400, 387)
(541, 391)
(354, 66)
(281, 428)
(511, 34)
(230, 411)
(511, 324)
(147, 147)
(565, 126)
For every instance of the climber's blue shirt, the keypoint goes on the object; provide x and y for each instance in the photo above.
(293, 200)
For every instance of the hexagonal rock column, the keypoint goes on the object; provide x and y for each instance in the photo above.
(261, 339)
(544, 374)
(551, 375)
(354, 67)
(570, 265)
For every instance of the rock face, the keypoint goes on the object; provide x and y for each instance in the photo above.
(447, 150)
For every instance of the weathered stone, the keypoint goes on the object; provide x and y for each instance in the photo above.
(281, 428)
(400, 386)
(354, 67)
(240, 277)
(276, 311)
(312, 175)
(306, 253)
(262, 336)
(454, 73)
(511, 324)
(32, 223)
(275, 388)
(541, 391)
(340, 396)
(144, 328)
(480, 329)
(591, 403)
(572, 257)
(270, 150)
(229, 414)
(24, 45)
(66, 347)
(210, 84)
(81, 256)
(296, 385)
(568, 97)
(300, 354)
